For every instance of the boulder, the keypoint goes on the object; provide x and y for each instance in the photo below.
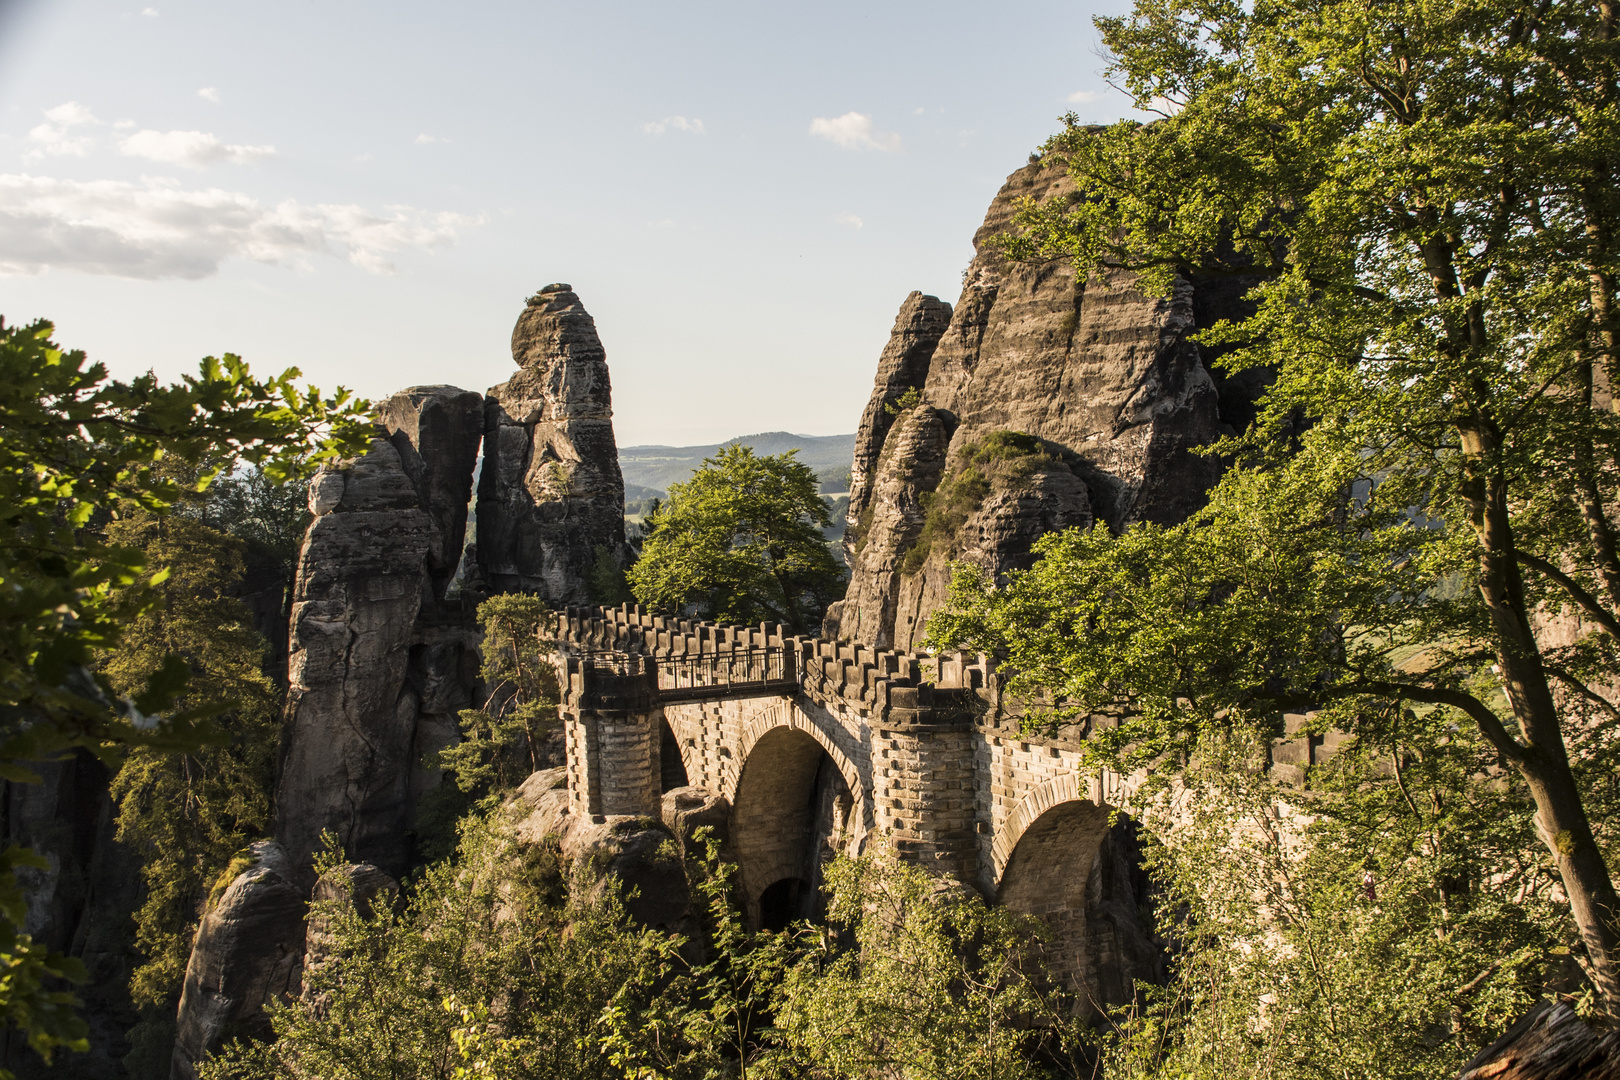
(641, 855)
(687, 809)
(360, 886)
(551, 496)
(246, 954)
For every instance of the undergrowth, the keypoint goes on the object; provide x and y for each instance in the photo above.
(1009, 455)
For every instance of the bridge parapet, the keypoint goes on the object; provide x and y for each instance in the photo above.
(886, 687)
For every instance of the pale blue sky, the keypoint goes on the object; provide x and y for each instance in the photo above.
(369, 190)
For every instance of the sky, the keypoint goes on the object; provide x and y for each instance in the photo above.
(742, 194)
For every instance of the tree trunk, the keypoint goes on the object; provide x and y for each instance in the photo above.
(1543, 759)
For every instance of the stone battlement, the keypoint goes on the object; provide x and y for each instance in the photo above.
(886, 687)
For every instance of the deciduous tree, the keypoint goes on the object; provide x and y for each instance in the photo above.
(1422, 515)
(741, 541)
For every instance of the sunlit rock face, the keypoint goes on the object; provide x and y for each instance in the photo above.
(1103, 375)
(351, 713)
(550, 494)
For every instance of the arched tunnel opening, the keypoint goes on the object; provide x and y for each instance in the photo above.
(1083, 877)
(791, 815)
(671, 766)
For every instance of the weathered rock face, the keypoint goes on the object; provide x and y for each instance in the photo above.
(912, 462)
(79, 905)
(246, 954)
(361, 886)
(903, 366)
(640, 854)
(351, 715)
(437, 431)
(1102, 374)
(551, 493)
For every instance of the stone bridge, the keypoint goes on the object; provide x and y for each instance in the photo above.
(819, 748)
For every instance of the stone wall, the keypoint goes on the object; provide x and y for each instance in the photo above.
(926, 759)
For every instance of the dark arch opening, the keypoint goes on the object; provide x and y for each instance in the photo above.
(671, 766)
(790, 816)
(1083, 877)
(785, 902)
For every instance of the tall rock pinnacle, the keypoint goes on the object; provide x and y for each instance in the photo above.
(551, 495)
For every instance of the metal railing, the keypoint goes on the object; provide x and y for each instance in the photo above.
(721, 674)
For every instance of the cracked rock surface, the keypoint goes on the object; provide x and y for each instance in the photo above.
(351, 714)
(1102, 374)
(551, 493)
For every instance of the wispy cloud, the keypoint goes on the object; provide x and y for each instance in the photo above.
(1084, 97)
(424, 139)
(209, 93)
(847, 218)
(693, 126)
(61, 134)
(191, 149)
(150, 13)
(159, 230)
(853, 131)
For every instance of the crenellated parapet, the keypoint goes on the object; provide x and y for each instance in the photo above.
(884, 686)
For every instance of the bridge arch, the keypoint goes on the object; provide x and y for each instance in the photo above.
(1063, 859)
(795, 797)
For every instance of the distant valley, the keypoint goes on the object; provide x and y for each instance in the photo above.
(650, 470)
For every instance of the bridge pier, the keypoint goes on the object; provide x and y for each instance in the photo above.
(612, 726)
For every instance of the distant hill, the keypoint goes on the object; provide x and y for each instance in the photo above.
(649, 470)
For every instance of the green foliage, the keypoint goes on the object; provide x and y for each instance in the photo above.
(1425, 196)
(186, 813)
(606, 582)
(741, 542)
(1007, 455)
(76, 449)
(937, 985)
(1372, 925)
(907, 400)
(505, 740)
(501, 967)
(269, 516)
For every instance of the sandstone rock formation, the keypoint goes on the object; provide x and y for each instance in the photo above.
(361, 886)
(437, 431)
(1103, 375)
(247, 953)
(551, 493)
(902, 367)
(78, 905)
(638, 853)
(351, 716)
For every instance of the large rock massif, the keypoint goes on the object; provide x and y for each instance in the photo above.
(551, 497)
(1102, 375)
(383, 650)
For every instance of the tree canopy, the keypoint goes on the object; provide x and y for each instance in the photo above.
(1421, 519)
(79, 451)
(741, 542)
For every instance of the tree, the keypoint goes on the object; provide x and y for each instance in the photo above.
(506, 740)
(923, 981)
(1421, 518)
(78, 449)
(188, 812)
(741, 542)
(1360, 927)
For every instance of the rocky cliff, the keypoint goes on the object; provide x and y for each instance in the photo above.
(1100, 376)
(551, 496)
